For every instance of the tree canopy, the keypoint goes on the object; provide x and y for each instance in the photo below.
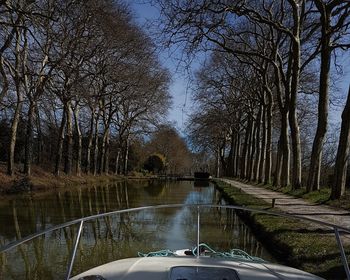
(78, 80)
(268, 69)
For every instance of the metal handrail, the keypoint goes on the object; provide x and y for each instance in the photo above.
(337, 229)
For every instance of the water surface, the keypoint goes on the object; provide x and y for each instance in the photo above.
(118, 236)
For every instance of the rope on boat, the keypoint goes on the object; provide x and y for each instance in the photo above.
(204, 248)
(237, 254)
(161, 253)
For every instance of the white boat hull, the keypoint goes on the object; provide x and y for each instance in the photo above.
(163, 268)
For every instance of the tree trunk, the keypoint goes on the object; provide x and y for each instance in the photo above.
(313, 182)
(89, 146)
(263, 147)
(248, 129)
(217, 169)
(7, 44)
(79, 139)
(296, 150)
(268, 164)
(4, 82)
(234, 155)
(13, 135)
(117, 158)
(230, 165)
(102, 154)
(282, 169)
(28, 154)
(223, 164)
(282, 160)
(338, 189)
(278, 167)
(95, 150)
(69, 141)
(104, 160)
(60, 143)
(293, 121)
(28, 147)
(251, 151)
(258, 145)
(126, 157)
(237, 155)
(39, 140)
(285, 172)
(15, 121)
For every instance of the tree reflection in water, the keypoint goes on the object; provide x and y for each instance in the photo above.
(117, 236)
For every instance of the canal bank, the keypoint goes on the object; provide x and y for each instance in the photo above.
(43, 181)
(297, 243)
(47, 182)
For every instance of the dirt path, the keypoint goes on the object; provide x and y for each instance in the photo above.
(296, 206)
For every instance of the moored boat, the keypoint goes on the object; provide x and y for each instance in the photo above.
(201, 176)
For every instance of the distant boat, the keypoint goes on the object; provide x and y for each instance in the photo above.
(201, 183)
(201, 175)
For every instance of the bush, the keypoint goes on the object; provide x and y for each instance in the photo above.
(155, 163)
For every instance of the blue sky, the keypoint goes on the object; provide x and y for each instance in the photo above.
(178, 88)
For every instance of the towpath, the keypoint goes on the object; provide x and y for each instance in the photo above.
(296, 206)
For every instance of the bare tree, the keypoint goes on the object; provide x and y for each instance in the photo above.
(338, 189)
(334, 21)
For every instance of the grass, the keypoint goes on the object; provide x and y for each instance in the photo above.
(291, 241)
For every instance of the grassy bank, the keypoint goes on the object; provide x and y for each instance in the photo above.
(295, 243)
(41, 180)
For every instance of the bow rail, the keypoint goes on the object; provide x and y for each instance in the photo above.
(336, 228)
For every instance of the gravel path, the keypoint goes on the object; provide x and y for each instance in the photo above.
(296, 206)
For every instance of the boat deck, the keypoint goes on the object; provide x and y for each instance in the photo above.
(190, 268)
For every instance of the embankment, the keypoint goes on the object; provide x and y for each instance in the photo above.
(293, 242)
(42, 180)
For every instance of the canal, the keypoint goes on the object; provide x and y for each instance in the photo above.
(117, 236)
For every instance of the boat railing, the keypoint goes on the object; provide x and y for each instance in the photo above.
(336, 228)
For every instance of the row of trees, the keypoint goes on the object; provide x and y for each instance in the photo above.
(79, 81)
(269, 70)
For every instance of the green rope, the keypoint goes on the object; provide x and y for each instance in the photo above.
(161, 253)
(233, 254)
(237, 254)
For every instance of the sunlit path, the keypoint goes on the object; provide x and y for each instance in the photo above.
(295, 206)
